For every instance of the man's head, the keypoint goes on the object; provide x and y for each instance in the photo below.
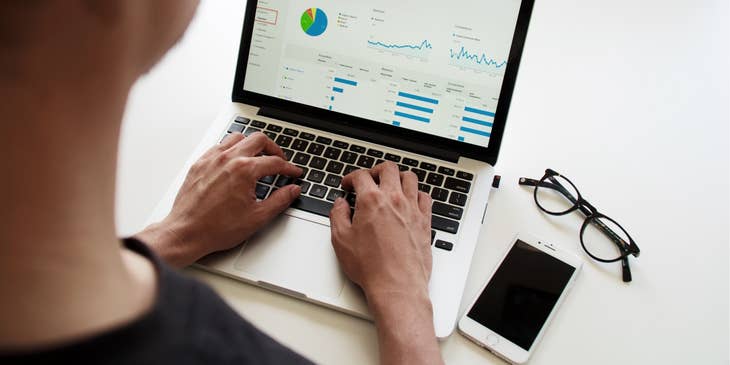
(65, 39)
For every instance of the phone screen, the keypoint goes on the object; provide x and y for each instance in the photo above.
(521, 294)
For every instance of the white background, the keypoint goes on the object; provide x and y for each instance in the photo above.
(630, 99)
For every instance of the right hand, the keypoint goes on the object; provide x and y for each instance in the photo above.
(386, 247)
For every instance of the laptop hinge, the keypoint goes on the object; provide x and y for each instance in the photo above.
(349, 131)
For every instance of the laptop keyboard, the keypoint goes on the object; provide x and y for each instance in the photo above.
(325, 161)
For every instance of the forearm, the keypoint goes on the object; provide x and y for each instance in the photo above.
(169, 244)
(404, 323)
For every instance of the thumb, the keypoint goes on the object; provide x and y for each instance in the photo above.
(340, 217)
(278, 201)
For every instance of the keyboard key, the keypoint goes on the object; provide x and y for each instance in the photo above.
(332, 180)
(410, 162)
(311, 205)
(356, 148)
(447, 210)
(236, 128)
(324, 140)
(335, 167)
(305, 170)
(365, 161)
(284, 180)
(334, 194)
(435, 179)
(267, 179)
(301, 158)
(274, 128)
(420, 173)
(349, 169)
(379, 161)
(348, 157)
(299, 144)
(291, 132)
(340, 144)
(351, 199)
(464, 175)
(258, 124)
(447, 171)
(424, 188)
(433, 235)
(392, 157)
(444, 245)
(318, 163)
(332, 153)
(242, 120)
(307, 136)
(457, 198)
(304, 185)
(402, 167)
(316, 149)
(270, 134)
(439, 194)
(250, 130)
(457, 184)
(284, 140)
(428, 166)
(288, 153)
(444, 224)
(375, 153)
(316, 176)
(261, 191)
(318, 191)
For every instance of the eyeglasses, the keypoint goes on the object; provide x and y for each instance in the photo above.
(602, 238)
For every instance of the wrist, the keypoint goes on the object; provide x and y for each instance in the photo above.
(167, 241)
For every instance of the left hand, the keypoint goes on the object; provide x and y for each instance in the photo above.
(216, 207)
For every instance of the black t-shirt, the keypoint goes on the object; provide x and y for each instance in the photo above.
(189, 324)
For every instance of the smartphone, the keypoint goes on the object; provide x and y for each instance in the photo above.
(514, 308)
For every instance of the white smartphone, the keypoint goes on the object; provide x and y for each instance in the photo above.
(514, 308)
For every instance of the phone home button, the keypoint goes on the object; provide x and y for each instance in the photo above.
(492, 340)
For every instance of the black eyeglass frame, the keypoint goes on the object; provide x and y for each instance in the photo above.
(592, 216)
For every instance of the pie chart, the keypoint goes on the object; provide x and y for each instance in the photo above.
(314, 21)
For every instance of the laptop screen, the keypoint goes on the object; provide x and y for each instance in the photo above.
(435, 67)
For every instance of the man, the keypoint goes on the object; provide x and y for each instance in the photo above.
(72, 292)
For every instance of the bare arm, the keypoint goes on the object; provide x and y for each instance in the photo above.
(386, 249)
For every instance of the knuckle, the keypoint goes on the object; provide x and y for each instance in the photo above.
(239, 164)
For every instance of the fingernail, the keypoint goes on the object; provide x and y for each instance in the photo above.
(296, 190)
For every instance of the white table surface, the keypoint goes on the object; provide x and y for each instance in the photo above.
(628, 98)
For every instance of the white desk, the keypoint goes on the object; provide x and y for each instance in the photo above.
(629, 99)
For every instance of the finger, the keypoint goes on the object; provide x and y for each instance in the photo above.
(274, 165)
(277, 202)
(255, 144)
(424, 203)
(388, 175)
(359, 180)
(340, 220)
(409, 180)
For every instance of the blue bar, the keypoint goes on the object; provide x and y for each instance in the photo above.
(411, 116)
(461, 138)
(419, 98)
(414, 107)
(469, 130)
(396, 123)
(476, 121)
(345, 81)
(337, 89)
(478, 111)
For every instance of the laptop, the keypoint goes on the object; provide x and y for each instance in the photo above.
(343, 85)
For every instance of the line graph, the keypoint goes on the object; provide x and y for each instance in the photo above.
(480, 62)
(420, 50)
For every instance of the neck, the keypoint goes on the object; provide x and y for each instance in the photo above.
(64, 275)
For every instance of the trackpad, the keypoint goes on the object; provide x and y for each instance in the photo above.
(294, 254)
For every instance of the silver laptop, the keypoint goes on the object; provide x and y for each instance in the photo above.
(342, 85)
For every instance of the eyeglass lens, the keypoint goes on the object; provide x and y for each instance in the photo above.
(600, 238)
(555, 194)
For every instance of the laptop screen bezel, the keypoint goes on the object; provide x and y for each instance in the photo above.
(330, 120)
